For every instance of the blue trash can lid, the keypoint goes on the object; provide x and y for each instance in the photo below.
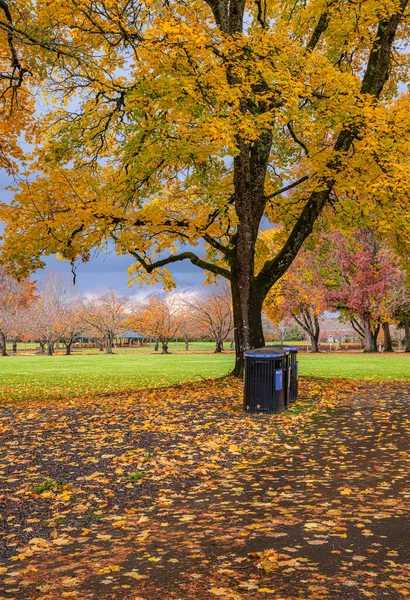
(286, 348)
(263, 353)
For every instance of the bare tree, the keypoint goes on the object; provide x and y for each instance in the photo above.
(188, 329)
(73, 326)
(48, 317)
(105, 315)
(213, 314)
(283, 329)
(14, 298)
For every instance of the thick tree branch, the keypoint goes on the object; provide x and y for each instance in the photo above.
(215, 244)
(191, 256)
(287, 187)
(296, 139)
(320, 28)
(357, 327)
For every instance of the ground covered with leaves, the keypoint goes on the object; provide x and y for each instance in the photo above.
(176, 494)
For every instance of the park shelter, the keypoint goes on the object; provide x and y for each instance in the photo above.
(130, 338)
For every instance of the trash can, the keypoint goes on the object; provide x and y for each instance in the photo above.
(263, 385)
(290, 369)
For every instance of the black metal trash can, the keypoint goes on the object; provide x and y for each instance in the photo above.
(291, 370)
(264, 381)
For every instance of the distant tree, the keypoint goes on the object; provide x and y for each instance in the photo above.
(296, 333)
(14, 298)
(283, 329)
(49, 314)
(301, 294)
(158, 317)
(74, 325)
(361, 271)
(188, 330)
(339, 329)
(213, 314)
(399, 305)
(105, 315)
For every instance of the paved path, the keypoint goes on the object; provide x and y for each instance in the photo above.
(325, 516)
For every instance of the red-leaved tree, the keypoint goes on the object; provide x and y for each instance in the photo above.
(361, 272)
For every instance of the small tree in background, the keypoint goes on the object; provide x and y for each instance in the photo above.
(47, 317)
(283, 329)
(104, 314)
(213, 314)
(301, 294)
(14, 298)
(188, 330)
(399, 305)
(159, 318)
(74, 325)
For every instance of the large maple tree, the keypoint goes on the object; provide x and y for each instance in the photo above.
(187, 124)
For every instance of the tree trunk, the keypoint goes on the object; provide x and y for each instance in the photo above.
(219, 346)
(156, 347)
(247, 315)
(375, 334)
(187, 345)
(370, 337)
(68, 348)
(49, 348)
(3, 345)
(311, 325)
(164, 348)
(315, 343)
(42, 350)
(406, 323)
(108, 346)
(249, 172)
(388, 345)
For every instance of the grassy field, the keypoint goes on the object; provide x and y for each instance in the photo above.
(29, 376)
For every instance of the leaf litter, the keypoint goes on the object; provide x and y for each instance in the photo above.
(176, 494)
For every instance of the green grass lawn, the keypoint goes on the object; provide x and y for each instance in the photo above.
(25, 376)
(29, 376)
(356, 365)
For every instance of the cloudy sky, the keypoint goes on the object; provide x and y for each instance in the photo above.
(110, 271)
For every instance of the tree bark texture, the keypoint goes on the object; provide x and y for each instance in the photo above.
(406, 323)
(370, 335)
(219, 346)
(388, 344)
(108, 344)
(3, 345)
